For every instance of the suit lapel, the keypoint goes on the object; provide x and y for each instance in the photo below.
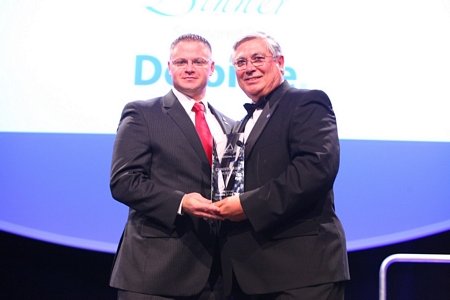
(265, 116)
(178, 114)
(226, 127)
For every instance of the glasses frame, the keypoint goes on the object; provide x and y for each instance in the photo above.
(252, 61)
(195, 63)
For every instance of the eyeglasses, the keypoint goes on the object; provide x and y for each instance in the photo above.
(198, 62)
(257, 61)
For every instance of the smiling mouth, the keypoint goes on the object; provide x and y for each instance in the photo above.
(252, 78)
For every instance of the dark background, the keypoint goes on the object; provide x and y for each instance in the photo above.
(32, 269)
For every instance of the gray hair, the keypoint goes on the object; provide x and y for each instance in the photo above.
(272, 44)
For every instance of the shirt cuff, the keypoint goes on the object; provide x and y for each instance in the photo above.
(180, 208)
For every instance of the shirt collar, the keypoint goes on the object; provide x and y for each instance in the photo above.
(187, 102)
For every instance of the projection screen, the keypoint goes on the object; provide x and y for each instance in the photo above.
(67, 68)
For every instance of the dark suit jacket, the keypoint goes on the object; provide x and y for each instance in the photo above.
(157, 158)
(292, 237)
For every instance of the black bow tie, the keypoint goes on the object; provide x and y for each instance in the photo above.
(250, 107)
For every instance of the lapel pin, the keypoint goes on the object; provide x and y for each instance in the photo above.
(268, 116)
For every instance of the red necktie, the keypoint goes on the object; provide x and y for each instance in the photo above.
(203, 129)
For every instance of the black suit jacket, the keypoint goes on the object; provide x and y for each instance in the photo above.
(292, 237)
(157, 158)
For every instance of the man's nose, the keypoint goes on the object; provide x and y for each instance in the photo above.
(249, 67)
(190, 67)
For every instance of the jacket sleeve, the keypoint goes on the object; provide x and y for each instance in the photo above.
(313, 162)
(130, 181)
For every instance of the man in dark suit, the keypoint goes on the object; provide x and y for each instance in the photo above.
(283, 240)
(160, 170)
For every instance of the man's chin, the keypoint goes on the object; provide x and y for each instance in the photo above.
(252, 93)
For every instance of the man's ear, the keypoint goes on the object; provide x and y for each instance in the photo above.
(280, 62)
(212, 69)
(168, 68)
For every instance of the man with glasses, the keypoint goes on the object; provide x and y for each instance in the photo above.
(161, 169)
(282, 238)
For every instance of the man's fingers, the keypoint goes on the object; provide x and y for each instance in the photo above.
(201, 207)
(219, 203)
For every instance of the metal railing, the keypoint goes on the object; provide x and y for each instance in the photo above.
(406, 258)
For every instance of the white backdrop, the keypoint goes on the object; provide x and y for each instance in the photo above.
(70, 66)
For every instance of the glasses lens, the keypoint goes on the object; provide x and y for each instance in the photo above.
(181, 63)
(240, 64)
(199, 62)
(258, 61)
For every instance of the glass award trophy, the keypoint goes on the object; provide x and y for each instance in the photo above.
(227, 166)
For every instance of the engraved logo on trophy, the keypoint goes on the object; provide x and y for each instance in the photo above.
(228, 166)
